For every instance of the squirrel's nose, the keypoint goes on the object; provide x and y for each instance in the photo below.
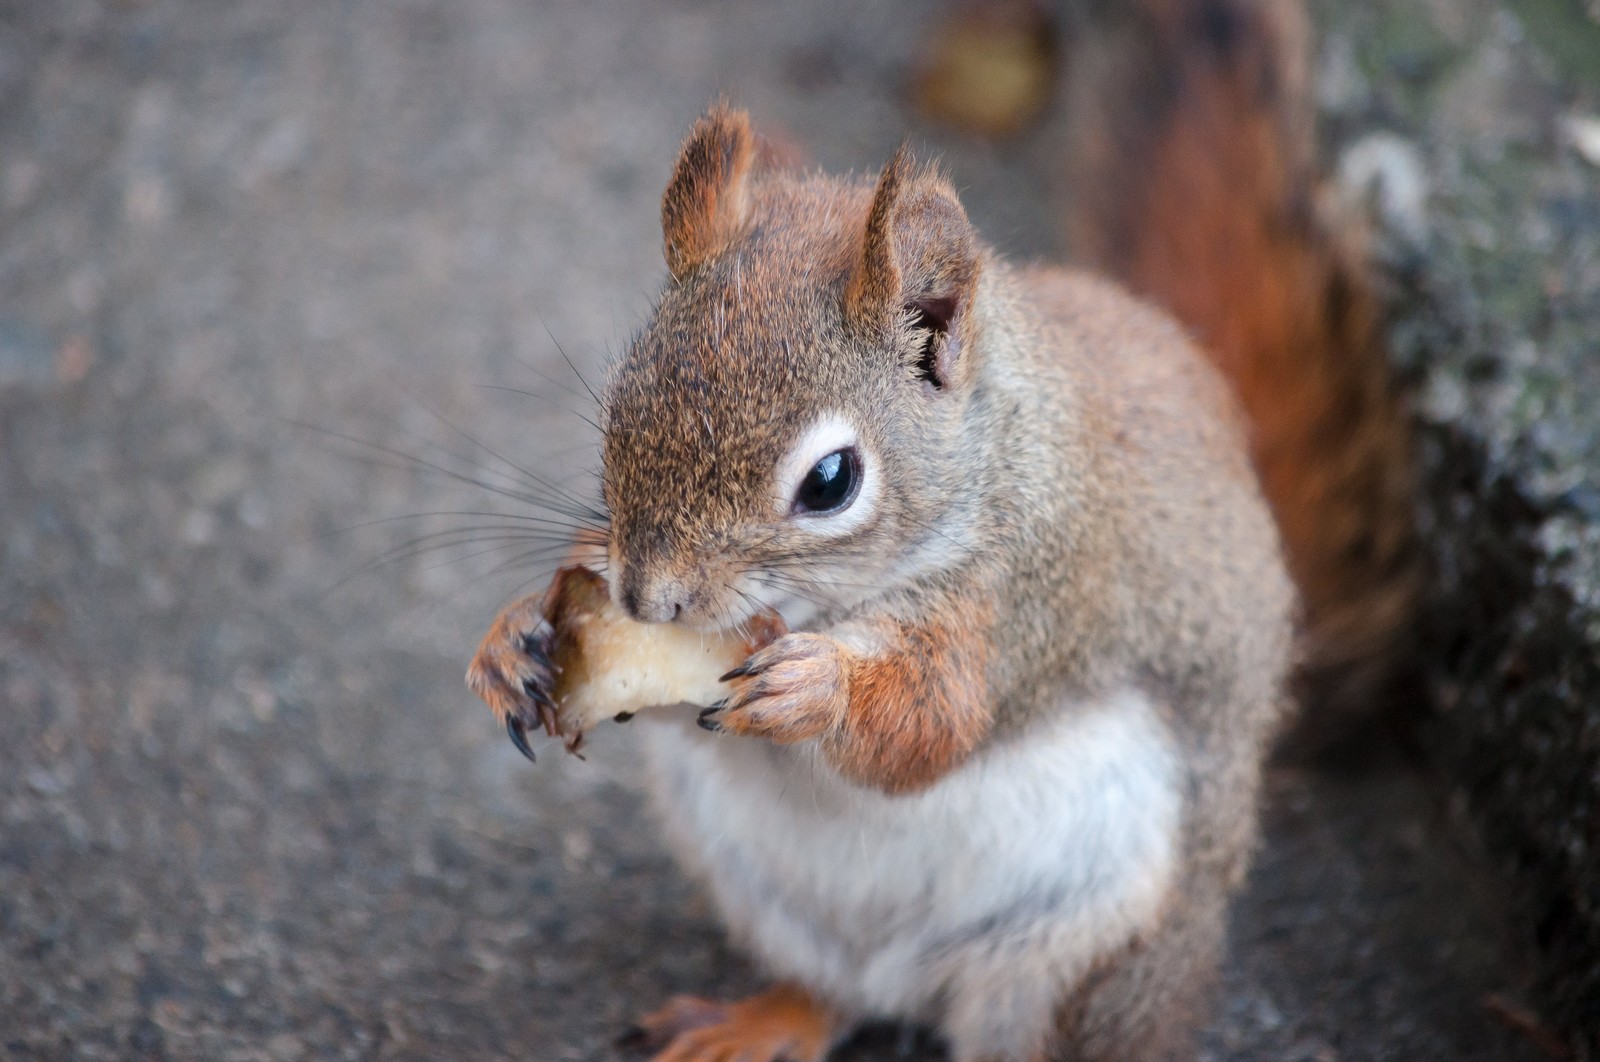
(652, 600)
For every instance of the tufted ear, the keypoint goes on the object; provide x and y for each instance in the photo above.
(919, 259)
(707, 200)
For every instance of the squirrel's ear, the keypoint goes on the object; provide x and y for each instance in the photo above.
(919, 257)
(707, 199)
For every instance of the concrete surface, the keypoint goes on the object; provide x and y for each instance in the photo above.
(247, 809)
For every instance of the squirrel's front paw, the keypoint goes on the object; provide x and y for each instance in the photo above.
(512, 672)
(796, 688)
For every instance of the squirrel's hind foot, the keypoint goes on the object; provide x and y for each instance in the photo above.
(783, 1022)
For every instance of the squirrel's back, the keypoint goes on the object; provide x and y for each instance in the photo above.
(1200, 598)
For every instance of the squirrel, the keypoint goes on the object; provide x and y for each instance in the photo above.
(1000, 777)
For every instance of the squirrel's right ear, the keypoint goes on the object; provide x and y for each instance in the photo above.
(919, 258)
(707, 200)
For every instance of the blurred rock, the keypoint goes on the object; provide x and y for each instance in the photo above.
(988, 66)
(1583, 131)
(1386, 172)
(1496, 314)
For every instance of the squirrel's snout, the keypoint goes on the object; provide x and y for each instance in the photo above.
(649, 599)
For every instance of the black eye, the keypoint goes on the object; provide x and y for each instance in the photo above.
(830, 485)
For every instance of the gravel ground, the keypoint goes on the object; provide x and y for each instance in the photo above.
(248, 809)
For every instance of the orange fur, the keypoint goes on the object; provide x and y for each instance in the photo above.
(501, 667)
(1195, 186)
(796, 688)
(919, 706)
(897, 719)
(784, 1022)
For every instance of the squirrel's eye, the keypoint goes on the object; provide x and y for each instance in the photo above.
(830, 485)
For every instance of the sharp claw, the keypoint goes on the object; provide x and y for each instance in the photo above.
(547, 718)
(532, 647)
(706, 717)
(519, 738)
(739, 672)
(540, 697)
(543, 705)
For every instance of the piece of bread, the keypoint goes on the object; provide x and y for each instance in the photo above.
(608, 664)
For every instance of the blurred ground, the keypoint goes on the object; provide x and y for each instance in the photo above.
(247, 809)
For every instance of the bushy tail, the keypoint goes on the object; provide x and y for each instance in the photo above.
(1193, 182)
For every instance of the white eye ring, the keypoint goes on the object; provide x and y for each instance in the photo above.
(828, 435)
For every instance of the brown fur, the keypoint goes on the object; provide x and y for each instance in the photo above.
(1197, 625)
(704, 207)
(1194, 183)
(874, 288)
(917, 243)
(1066, 509)
(1142, 547)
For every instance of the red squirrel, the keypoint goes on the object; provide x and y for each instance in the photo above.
(1033, 550)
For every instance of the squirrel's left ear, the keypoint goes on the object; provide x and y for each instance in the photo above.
(919, 257)
(707, 200)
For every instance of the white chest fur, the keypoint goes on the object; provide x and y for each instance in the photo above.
(973, 904)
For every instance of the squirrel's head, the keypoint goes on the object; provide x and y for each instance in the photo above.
(788, 428)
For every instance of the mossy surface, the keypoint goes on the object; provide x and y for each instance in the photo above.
(1497, 325)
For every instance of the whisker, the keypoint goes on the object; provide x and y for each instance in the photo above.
(436, 542)
(535, 394)
(412, 461)
(508, 544)
(541, 575)
(546, 377)
(542, 520)
(806, 585)
(756, 608)
(563, 352)
(530, 477)
(512, 563)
